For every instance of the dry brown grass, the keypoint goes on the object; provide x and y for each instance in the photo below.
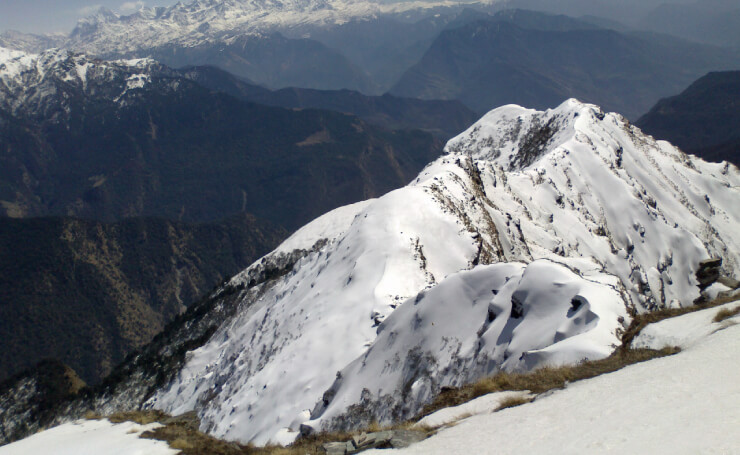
(639, 321)
(513, 402)
(193, 442)
(726, 313)
(140, 417)
(91, 415)
(543, 379)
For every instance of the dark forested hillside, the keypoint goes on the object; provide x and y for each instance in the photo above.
(87, 293)
(179, 151)
(704, 119)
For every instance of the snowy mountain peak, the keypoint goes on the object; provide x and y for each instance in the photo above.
(513, 137)
(103, 14)
(529, 243)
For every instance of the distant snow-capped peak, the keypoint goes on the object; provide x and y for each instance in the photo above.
(528, 243)
(31, 84)
(106, 33)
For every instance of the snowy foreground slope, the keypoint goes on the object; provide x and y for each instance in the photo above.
(528, 243)
(91, 437)
(683, 404)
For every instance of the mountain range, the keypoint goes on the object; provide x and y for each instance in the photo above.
(175, 149)
(241, 36)
(93, 146)
(705, 21)
(247, 214)
(538, 60)
(441, 118)
(484, 55)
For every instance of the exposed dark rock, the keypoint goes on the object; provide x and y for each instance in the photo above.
(396, 439)
(708, 272)
(404, 438)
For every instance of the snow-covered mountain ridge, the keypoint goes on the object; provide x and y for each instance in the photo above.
(528, 243)
(206, 21)
(34, 84)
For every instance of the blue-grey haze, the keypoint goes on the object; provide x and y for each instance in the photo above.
(49, 16)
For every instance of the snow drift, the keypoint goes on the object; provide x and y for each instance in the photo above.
(528, 243)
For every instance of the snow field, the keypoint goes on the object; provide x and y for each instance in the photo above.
(688, 403)
(91, 437)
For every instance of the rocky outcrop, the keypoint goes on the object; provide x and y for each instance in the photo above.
(708, 272)
(392, 439)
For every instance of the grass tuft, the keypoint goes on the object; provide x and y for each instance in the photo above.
(513, 402)
(140, 417)
(91, 415)
(726, 313)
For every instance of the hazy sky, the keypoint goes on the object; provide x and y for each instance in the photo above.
(40, 16)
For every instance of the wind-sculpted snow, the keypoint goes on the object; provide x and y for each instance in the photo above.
(581, 217)
(684, 404)
(506, 316)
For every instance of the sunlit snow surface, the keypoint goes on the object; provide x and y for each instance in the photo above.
(688, 403)
(684, 331)
(91, 437)
(482, 405)
(525, 244)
